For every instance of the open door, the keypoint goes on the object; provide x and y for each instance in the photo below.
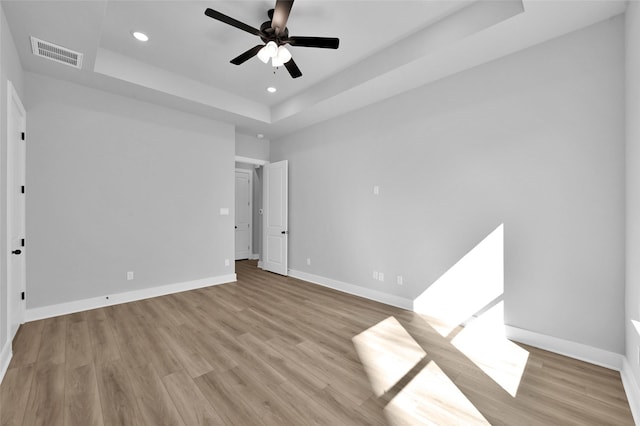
(16, 155)
(275, 217)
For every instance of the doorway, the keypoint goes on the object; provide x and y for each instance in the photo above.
(244, 214)
(254, 170)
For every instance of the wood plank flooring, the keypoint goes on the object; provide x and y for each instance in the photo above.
(275, 350)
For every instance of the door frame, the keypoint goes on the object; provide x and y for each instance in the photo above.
(257, 163)
(250, 174)
(13, 302)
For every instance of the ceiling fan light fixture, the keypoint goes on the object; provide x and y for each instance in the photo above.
(283, 54)
(276, 62)
(263, 55)
(271, 49)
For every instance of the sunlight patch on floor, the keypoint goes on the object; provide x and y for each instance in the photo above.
(483, 341)
(467, 287)
(388, 353)
(431, 398)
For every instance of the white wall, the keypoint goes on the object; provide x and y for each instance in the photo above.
(534, 141)
(252, 147)
(633, 199)
(10, 69)
(117, 185)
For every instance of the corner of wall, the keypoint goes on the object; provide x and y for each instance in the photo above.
(568, 348)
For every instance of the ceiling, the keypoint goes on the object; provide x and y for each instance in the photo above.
(386, 47)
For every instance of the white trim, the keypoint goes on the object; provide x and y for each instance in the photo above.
(632, 390)
(5, 359)
(254, 161)
(568, 348)
(254, 256)
(260, 264)
(129, 296)
(356, 290)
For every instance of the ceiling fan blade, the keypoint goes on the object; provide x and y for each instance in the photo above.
(247, 55)
(293, 68)
(281, 15)
(230, 21)
(322, 42)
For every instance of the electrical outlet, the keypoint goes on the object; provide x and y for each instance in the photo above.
(375, 275)
(399, 280)
(226, 262)
(376, 190)
(308, 261)
(129, 275)
(381, 276)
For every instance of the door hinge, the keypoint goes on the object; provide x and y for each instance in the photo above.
(22, 189)
(22, 135)
(22, 242)
(22, 296)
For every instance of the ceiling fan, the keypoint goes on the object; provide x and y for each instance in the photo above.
(275, 35)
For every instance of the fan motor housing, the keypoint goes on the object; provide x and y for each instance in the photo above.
(268, 34)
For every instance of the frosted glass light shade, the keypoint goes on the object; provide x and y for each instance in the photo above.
(271, 48)
(276, 62)
(283, 54)
(263, 55)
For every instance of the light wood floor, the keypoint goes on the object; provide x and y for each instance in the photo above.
(275, 350)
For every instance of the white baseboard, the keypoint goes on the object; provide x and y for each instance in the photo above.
(568, 348)
(367, 293)
(260, 264)
(5, 358)
(632, 390)
(254, 256)
(129, 296)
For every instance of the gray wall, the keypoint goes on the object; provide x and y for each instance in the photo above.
(10, 69)
(119, 185)
(534, 141)
(633, 184)
(252, 147)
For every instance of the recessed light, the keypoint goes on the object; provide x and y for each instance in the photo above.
(271, 89)
(140, 36)
(260, 136)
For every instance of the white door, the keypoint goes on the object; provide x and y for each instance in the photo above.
(243, 214)
(16, 123)
(275, 217)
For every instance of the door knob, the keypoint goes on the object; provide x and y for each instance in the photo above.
(16, 252)
(236, 226)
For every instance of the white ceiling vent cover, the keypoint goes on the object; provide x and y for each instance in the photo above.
(56, 53)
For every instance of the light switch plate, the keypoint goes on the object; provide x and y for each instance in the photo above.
(224, 211)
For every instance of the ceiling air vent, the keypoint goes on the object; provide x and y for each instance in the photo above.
(56, 53)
